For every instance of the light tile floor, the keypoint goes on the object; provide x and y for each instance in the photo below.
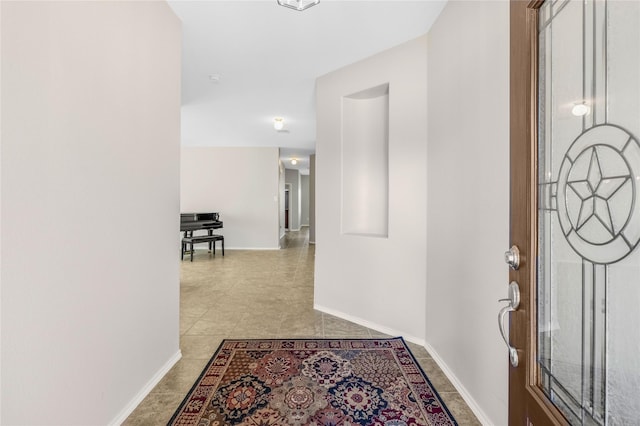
(257, 294)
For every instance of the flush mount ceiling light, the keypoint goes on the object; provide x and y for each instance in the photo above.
(294, 161)
(278, 123)
(580, 109)
(298, 5)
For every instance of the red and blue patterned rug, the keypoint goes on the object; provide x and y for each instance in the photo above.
(321, 382)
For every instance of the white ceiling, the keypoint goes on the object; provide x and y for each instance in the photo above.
(268, 57)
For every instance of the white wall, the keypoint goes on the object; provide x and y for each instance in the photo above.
(90, 181)
(468, 194)
(239, 183)
(312, 198)
(376, 281)
(304, 200)
(293, 178)
(1, 209)
(281, 196)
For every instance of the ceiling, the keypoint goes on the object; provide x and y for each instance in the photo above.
(246, 62)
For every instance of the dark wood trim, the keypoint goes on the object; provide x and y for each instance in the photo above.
(532, 137)
(519, 230)
(527, 402)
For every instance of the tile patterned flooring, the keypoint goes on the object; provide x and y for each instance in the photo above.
(234, 296)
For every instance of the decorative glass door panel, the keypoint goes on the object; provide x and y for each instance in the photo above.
(588, 284)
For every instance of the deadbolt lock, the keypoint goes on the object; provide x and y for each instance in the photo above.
(512, 257)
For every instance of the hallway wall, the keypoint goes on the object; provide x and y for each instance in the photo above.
(281, 199)
(90, 146)
(242, 185)
(304, 200)
(372, 280)
(468, 199)
(312, 199)
(292, 177)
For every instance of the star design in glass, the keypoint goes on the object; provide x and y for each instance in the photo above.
(595, 191)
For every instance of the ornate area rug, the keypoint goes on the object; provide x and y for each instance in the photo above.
(324, 382)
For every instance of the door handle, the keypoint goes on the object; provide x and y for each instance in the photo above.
(514, 302)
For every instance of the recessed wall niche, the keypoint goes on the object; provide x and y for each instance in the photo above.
(365, 162)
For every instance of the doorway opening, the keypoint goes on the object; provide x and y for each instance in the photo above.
(287, 203)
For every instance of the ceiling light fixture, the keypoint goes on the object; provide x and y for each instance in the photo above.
(298, 5)
(278, 123)
(294, 161)
(580, 109)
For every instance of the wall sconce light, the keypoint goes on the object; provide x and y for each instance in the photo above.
(580, 109)
(294, 161)
(278, 123)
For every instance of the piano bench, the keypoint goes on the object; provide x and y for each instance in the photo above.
(211, 239)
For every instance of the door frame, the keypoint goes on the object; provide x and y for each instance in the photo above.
(287, 209)
(527, 402)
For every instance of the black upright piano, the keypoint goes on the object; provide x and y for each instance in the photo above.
(190, 222)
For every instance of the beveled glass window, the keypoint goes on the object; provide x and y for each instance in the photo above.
(589, 218)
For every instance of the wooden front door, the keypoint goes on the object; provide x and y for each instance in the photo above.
(575, 212)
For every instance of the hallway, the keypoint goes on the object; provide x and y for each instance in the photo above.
(257, 294)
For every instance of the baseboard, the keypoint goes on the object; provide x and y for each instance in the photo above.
(253, 248)
(218, 250)
(369, 324)
(126, 411)
(482, 417)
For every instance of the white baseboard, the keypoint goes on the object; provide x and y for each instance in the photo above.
(253, 248)
(218, 249)
(482, 417)
(371, 325)
(126, 411)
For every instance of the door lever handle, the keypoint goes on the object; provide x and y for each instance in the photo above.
(514, 302)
